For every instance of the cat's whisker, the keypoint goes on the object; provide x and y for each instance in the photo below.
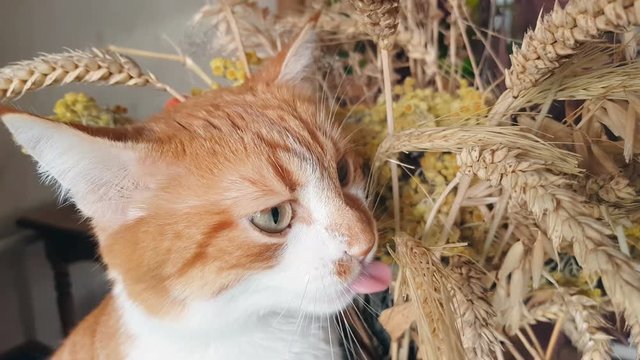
(335, 95)
(330, 338)
(287, 307)
(300, 315)
(337, 320)
(346, 341)
(345, 289)
(352, 108)
(350, 334)
(325, 92)
(364, 356)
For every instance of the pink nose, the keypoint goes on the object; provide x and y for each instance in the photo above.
(355, 223)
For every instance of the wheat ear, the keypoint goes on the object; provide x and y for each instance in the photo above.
(379, 18)
(558, 33)
(581, 320)
(94, 66)
(476, 319)
(566, 218)
(425, 281)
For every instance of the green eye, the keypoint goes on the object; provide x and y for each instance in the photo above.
(273, 220)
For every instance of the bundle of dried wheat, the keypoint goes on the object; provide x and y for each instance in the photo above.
(558, 33)
(565, 218)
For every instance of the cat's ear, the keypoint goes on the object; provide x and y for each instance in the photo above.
(98, 174)
(294, 63)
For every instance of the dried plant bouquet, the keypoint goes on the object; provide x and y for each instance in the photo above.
(505, 199)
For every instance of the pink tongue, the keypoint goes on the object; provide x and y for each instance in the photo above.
(375, 277)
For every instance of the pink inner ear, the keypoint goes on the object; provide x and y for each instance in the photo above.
(292, 63)
(171, 103)
(93, 170)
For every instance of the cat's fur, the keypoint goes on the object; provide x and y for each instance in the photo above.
(170, 199)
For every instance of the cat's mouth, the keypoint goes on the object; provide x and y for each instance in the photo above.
(374, 277)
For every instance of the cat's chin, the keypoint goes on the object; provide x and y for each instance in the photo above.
(331, 302)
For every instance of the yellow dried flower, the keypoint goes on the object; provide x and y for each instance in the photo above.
(413, 107)
(217, 66)
(252, 58)
(80, 108)
(231, 74)
(409, 84)
(241, 75)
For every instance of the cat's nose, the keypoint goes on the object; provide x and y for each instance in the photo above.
(361, 251)
(354, 223)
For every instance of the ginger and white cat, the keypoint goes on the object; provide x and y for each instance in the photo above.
(233, 225)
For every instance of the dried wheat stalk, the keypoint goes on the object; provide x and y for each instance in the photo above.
(94, 66)
(426, 282)
(185, 60)
(380, 19)
(558, 33)
(566, 217)
(583, 321)
(476, 318)
(418, 31)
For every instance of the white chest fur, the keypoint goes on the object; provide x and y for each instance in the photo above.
(215, 331)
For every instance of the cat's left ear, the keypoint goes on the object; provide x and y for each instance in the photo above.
(97, 173)
(293, 64)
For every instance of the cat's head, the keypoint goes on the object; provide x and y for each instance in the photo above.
(251, 187)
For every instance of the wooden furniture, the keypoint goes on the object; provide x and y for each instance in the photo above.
(31, 350)
(67, 239)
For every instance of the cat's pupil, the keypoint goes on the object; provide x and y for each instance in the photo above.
(275, 214)
(343, 172)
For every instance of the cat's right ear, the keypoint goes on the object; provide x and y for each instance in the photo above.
(98, 174)
(294, 63)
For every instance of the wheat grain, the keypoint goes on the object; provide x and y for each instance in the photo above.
(566, 217)
(94, 66)
(615, 190)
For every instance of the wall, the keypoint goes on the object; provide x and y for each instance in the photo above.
(28, 27)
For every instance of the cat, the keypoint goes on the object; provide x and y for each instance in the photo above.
(233, 225)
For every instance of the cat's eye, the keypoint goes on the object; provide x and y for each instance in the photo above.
(273, 220)
(344, 172)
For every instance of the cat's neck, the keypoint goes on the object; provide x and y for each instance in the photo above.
(226, 325)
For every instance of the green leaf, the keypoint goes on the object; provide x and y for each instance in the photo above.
(467, 69)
